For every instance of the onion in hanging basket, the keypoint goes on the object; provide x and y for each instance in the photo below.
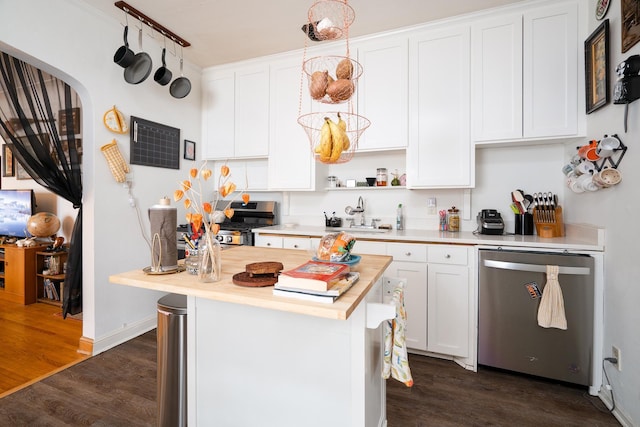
(332, 79)
(331, 19)
(340, 149)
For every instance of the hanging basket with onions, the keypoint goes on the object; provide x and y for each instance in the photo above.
(332, 79)
(330, 19)
(333, 136)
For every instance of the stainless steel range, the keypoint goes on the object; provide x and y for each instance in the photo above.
(237, 230)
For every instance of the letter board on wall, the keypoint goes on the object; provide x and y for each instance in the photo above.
(154, 144)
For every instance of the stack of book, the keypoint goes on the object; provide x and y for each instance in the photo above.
(316, 281)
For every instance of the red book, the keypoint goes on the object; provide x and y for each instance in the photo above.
(312, 275)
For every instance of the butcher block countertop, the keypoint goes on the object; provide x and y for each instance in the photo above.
(371, 268)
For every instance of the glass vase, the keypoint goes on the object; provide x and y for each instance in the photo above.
(210, 269)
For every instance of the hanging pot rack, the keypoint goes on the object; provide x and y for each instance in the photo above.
(151, 23)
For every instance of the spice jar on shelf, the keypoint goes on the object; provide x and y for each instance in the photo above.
(453, 219)
(381, 177)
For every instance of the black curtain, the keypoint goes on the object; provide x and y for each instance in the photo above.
(39, 119)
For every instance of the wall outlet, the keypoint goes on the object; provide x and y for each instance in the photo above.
(615, 352)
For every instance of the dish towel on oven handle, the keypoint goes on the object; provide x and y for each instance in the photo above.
(551, 310)
(396, 362)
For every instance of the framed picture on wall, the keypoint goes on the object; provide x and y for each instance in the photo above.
(596, 59)
(8, 168)
(189, 150)
(21, 173)
(75, 120)
(630, 11)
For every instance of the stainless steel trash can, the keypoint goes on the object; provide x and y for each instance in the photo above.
(172, 360)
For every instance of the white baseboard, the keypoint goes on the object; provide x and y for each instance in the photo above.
(128, 332)
(621, 417)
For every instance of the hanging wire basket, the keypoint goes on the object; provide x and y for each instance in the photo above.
(312, 124)
(332, 79)
(330, 19)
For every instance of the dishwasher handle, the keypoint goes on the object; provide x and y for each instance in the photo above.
(535, 268)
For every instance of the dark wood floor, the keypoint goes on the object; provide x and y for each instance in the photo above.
(118, 388)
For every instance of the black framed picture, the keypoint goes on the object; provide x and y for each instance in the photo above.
(596, 58)
(630, 11)
(8, 167)
(189, 150)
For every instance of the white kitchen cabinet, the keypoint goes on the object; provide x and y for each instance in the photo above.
(409, 262)
(525, 75)
(450, 300)
(236, 112)
(382, 93)
(440, 153)
(291, 165)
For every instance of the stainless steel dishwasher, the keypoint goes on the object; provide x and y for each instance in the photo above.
(510, 284)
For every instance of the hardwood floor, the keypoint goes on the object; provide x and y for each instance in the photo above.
(36, 342)
(118, 388)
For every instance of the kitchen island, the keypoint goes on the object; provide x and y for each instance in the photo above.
(257, 359)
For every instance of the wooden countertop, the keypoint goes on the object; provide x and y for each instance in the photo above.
(371, 268)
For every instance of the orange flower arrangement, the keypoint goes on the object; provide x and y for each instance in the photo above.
(203, 212)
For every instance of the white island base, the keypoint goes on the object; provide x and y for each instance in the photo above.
(251, 366)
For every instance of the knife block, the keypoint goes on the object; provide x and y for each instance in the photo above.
(549, 222)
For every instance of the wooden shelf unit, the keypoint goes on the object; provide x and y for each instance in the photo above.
(56, 279)
(17, 275)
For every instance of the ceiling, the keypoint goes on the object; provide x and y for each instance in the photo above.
(222, 31)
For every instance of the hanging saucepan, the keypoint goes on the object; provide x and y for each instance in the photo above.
(141, 66)
(181, 86)
(163, 74)
(124, 56)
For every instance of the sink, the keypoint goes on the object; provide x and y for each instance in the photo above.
(357, 229)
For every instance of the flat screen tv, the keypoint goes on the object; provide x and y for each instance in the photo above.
(16, 206)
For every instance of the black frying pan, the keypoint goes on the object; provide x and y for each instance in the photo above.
(181, 86)
(140, 67)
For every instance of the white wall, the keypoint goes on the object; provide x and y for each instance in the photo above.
(71, 40)
(616, 209)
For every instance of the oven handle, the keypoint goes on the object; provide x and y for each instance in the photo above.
(535, 268)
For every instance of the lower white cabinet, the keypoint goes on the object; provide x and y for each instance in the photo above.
(450, 296)
(439, 292)
(415, 300)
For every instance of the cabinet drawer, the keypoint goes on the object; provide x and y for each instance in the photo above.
(296, 243)
(370, 248)
(268, 241)
(407, 252)
(444, 254)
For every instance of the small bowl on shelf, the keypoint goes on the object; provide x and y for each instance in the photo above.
(371, 182)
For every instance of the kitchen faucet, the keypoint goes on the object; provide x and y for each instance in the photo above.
(360, 209)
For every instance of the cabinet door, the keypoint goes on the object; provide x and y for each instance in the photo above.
(496, 61)
(218, 116)
(448, 309)
(291, 164)
(440, 153)
(415, 300)
(252, 112)
(550, 70)
(14, 273)
(268, 241)
(382, 93)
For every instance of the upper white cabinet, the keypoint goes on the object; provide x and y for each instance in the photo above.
(525, 75)
(382, 93)
(236, 112)
(440, 153)
(291, 165)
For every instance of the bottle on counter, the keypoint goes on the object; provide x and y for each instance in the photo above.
(453, 219)
(399, 218)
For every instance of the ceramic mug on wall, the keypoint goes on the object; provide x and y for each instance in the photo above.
(607, 177)
(607, 146)
(589, 151)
